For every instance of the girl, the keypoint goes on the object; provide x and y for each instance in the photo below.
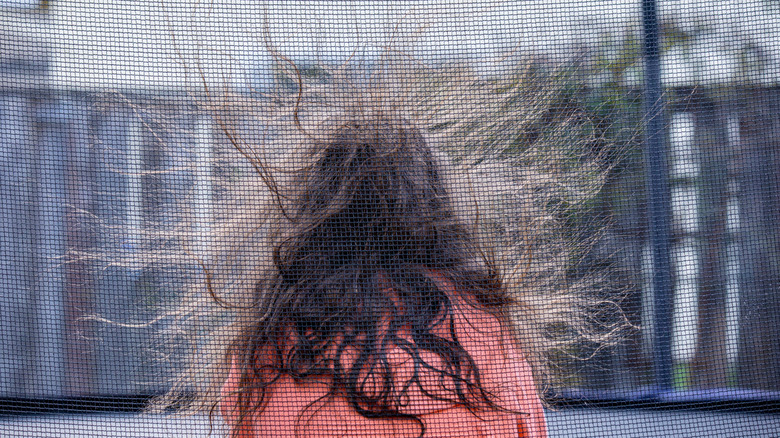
(378, 316)
(376, 278)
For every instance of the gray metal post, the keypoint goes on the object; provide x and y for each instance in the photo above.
(658, 198)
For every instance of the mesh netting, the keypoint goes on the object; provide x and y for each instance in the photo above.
(467, 218)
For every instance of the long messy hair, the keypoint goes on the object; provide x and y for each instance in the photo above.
(341, 206)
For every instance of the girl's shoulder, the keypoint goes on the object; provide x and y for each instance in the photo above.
(489, 342)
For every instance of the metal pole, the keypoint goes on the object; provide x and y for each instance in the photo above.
(658, 198)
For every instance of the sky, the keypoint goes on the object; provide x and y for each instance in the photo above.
(167, 43)
(162, 43)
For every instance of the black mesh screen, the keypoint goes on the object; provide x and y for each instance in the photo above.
(369, 218)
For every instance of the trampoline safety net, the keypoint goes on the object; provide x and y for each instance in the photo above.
(362, 218)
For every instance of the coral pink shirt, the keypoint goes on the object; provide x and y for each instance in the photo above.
(297, 409)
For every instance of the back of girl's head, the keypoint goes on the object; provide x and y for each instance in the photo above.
(363, 240)
(370, 197)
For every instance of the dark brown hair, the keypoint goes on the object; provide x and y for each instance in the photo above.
(368, 220)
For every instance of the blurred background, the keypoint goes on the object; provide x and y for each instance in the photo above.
(91, 90)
